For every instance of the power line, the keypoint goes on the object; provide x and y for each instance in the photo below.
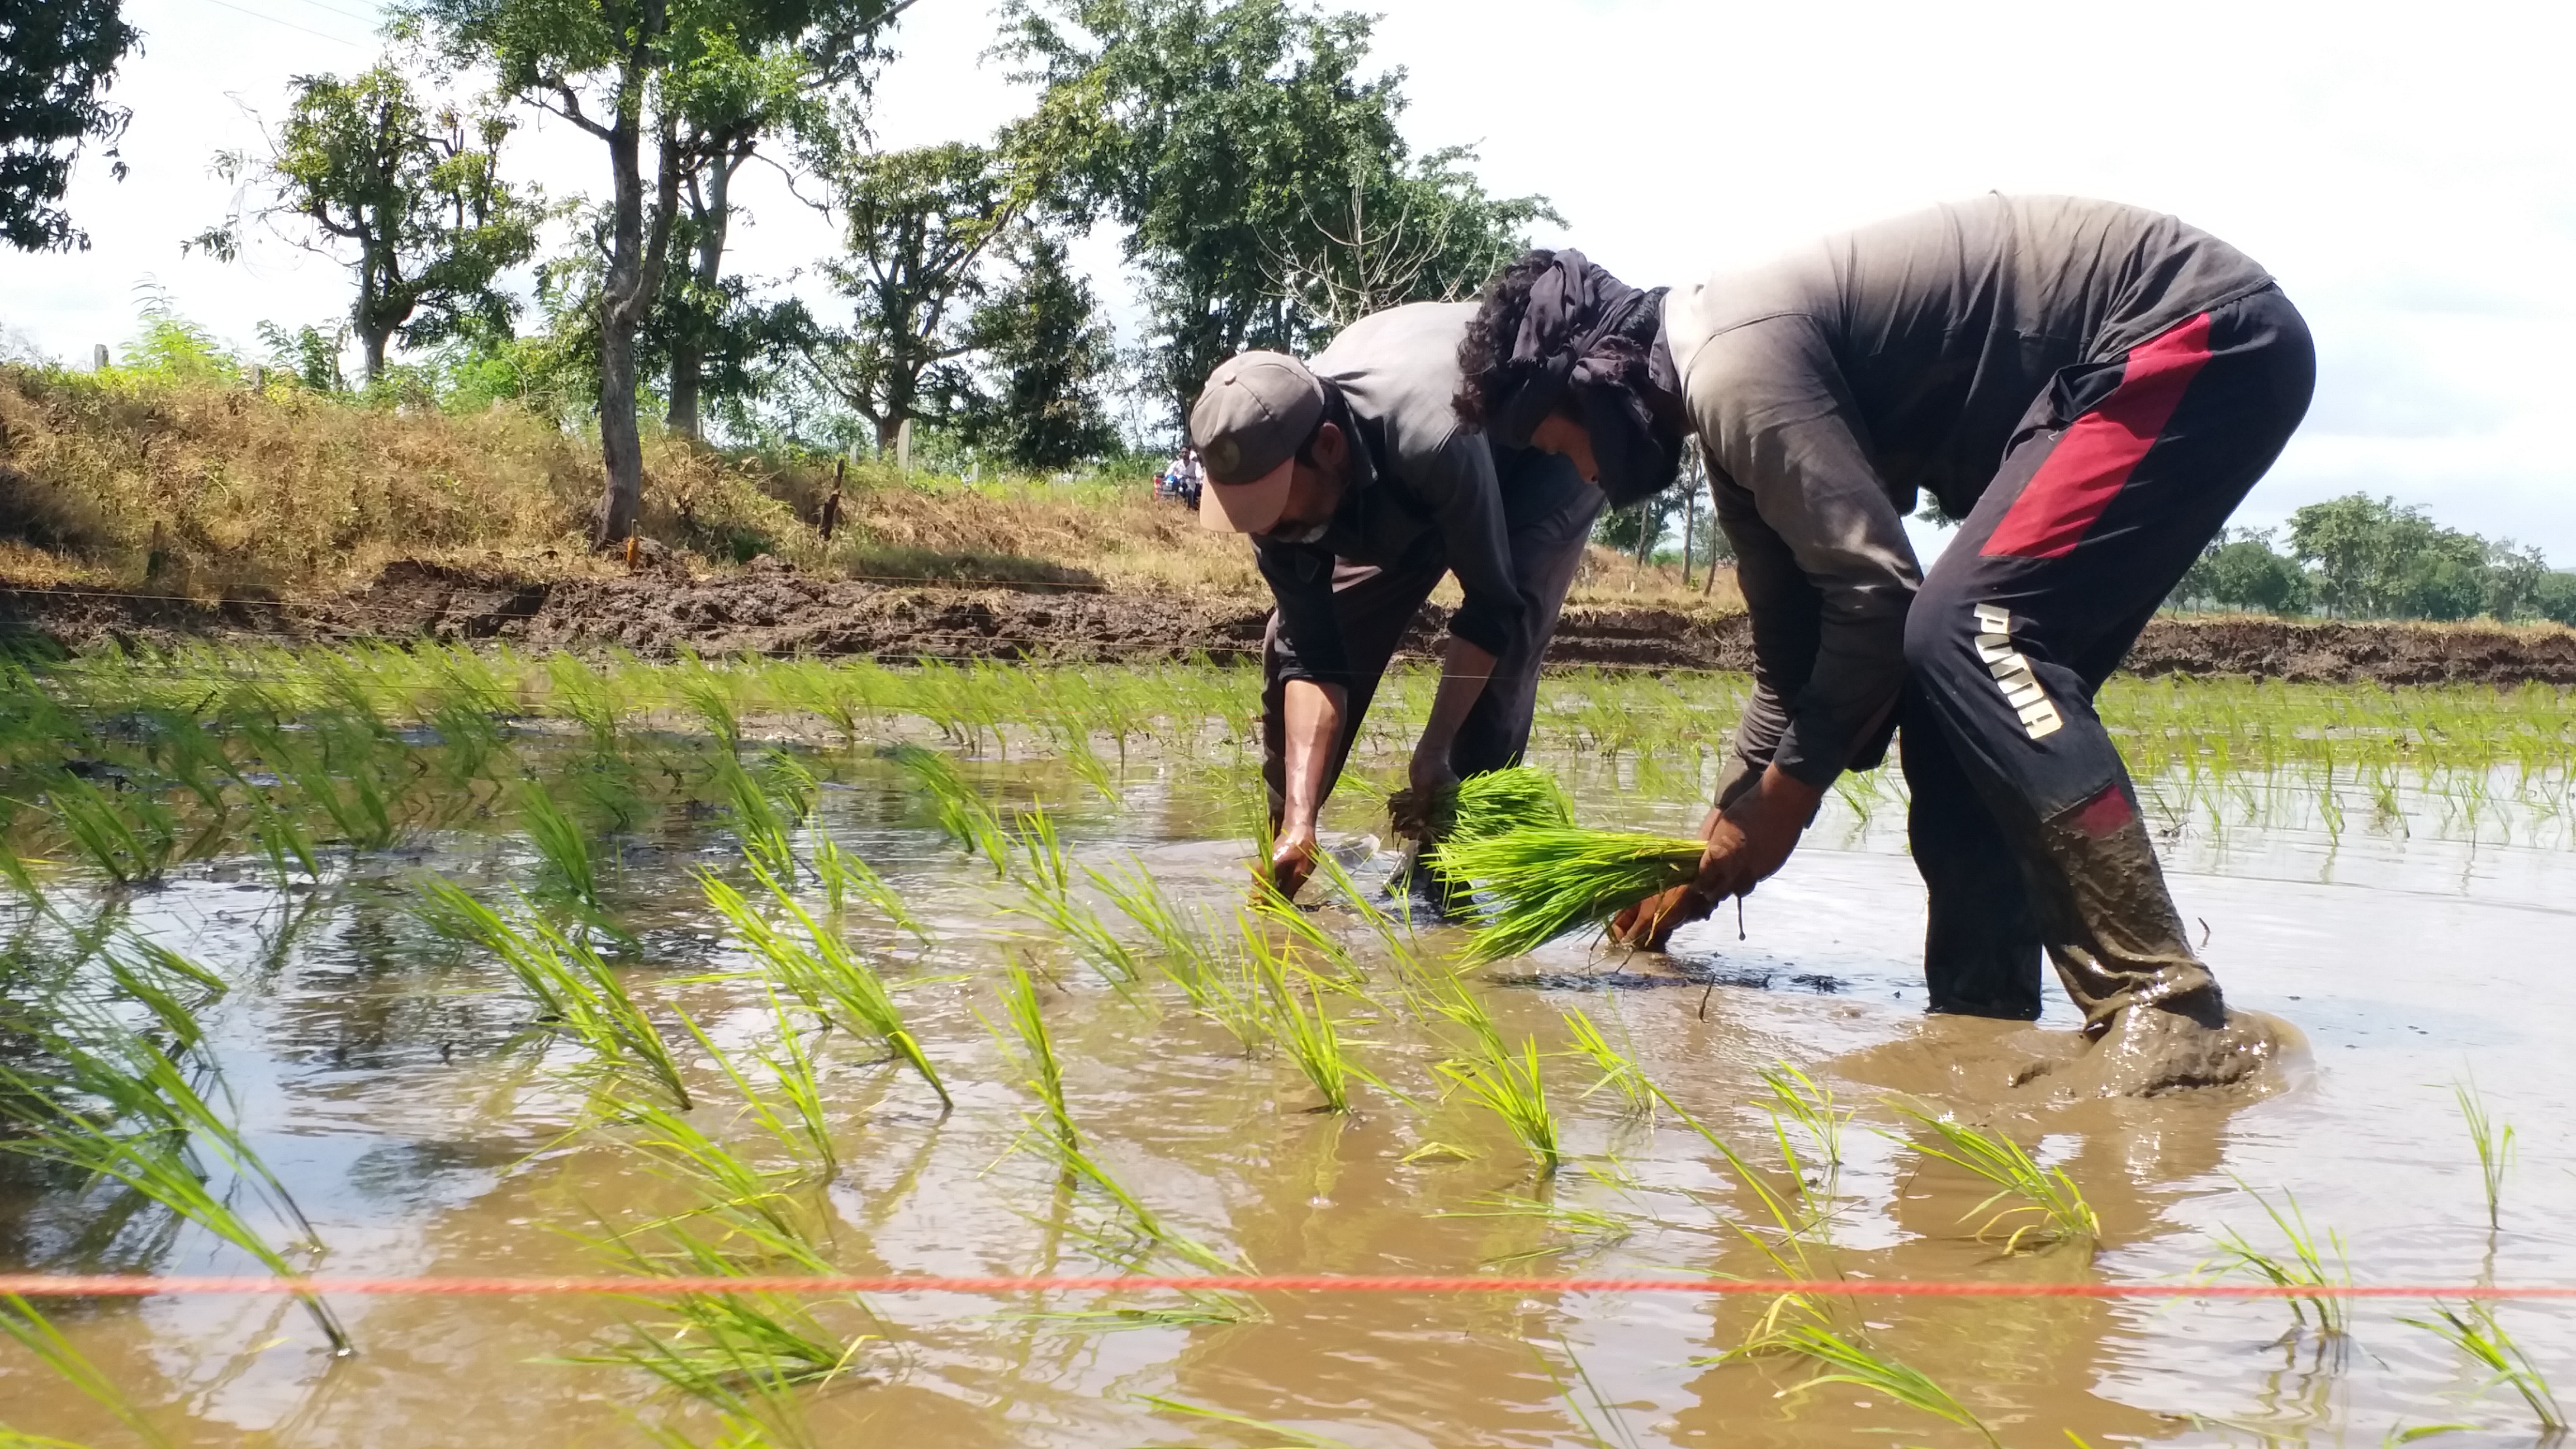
(352, 14)
(289, 24)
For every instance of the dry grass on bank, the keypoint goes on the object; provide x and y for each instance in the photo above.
(134, 481)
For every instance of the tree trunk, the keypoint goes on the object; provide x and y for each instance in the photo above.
(637, 247)
(688, 353)
(375, 343)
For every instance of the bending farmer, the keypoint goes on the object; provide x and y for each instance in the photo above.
(2093, 388)
(1360, 489)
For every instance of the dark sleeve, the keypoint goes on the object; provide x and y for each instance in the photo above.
(1310, 631)
(1822, 549)
(1787, 614)
(1458, 482)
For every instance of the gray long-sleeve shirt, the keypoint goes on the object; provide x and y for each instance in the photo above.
(1833, 385)
(1419, 482)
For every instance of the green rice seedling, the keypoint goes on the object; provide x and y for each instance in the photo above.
(561, 843)
(962, 809)
(711, 694)
(801, 1130)
(2047, 1195)
(344, 773)
(282, 838)
(1497, 802)
(845, 875)
(765, 830)
(1619, 1073)
(1040, 1069)
(144, 1139)
(2475, 1331)
(1275, 1436)
(1850, 1363)
(35, 1333)
(818, 969)
(578, 995)
(1797, 1221)
(1504, 1082)
(2494, 1141)
(1802, 1099)
(1048, 898)
(1304, 1028)
(1556, 881)
(2305, 1267)
(577, 693)
(129, 836)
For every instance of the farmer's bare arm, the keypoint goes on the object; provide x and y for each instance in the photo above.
(1312, 714)
(1748, 841)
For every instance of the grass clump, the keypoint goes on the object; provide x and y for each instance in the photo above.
(1556, 881)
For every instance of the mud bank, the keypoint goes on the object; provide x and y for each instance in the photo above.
(776, 610)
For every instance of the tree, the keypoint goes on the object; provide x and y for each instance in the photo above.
(57, 58)
(919, 223)
(415, 193)
(655, 82)
(2240, 570)
(2373, 558)
(1047, 353)
(1263, 182)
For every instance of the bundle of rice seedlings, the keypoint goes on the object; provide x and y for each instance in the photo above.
(1556, 880)
(1523, 797)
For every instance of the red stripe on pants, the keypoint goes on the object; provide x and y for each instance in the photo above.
(2093, 461)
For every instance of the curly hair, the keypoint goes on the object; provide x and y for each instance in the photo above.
(1485, 353)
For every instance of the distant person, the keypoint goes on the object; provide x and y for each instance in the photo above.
(1361, 489)
(1193, 476)
(2093, 388)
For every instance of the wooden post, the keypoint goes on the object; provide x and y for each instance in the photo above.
(1690, 526)
(258, 378)
(98, 357)
(903, 447)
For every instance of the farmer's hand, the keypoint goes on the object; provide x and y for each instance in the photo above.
(1292, 859)
(1418, 811)
(1747, 843)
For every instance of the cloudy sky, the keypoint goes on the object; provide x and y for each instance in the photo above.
(2409, 175)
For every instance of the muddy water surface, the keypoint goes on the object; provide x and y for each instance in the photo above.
(391, 1079)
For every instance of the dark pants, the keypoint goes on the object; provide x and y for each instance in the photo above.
(1375, 605)
(2024, 822)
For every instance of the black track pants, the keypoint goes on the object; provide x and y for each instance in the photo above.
(2024, 823)
(1377, 604)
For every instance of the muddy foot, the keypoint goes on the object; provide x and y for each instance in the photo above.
(2148, 1051)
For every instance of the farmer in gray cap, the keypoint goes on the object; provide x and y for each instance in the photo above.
(1361, 489)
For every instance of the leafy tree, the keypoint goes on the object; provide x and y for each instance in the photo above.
(919, 224)
(2240, 570)
(2373, 558)
(658, 83)
(57, 58)
(2553, 597)
(362, 165)
(1048, 354)
(308, 354)
(1263, 182)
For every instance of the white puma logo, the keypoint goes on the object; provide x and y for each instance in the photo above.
(2012, 673)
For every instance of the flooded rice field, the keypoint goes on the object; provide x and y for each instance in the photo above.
(394, 964)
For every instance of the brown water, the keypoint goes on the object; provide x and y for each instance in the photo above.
(383, 1073)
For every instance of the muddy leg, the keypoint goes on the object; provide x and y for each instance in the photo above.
(1981, 948)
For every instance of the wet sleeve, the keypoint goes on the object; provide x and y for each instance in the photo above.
(1310, 631)
(1828, 560)
(1458, 482)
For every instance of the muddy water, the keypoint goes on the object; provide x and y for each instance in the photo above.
(388, 1077)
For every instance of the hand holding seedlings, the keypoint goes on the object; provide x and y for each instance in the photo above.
(1748, 841)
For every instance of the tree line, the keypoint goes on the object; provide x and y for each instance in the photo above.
(2359, 557)
(1248, 154)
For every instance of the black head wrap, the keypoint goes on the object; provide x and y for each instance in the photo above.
(1590, 334)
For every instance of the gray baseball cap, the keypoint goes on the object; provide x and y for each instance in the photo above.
(1257, 410)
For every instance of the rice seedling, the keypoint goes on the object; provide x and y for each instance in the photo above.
(35, 1333)
(762, 828)
(578, 995)
(819, 969)
(587, 698)
(845, 875)
(1850, 1363)
(1048, 898)
(1609, 1430)
(1810, 1104)
(1619, 1073)
(1280, 1436)
(2493, 1139)
(129, 836)
(563, 845)
(962, 810)
(1303, 1027)
(1553, 882)
(124, 1112)
(2304, 1268)
(2048, 1196)
(1040, 1070)
(1506, 1083)
(2475, 1332)
(711, 694)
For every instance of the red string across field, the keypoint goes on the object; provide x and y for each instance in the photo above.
(126, 1285)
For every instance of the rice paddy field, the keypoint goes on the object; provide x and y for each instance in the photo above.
(416, 962)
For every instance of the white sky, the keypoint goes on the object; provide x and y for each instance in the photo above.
(2408, 173)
